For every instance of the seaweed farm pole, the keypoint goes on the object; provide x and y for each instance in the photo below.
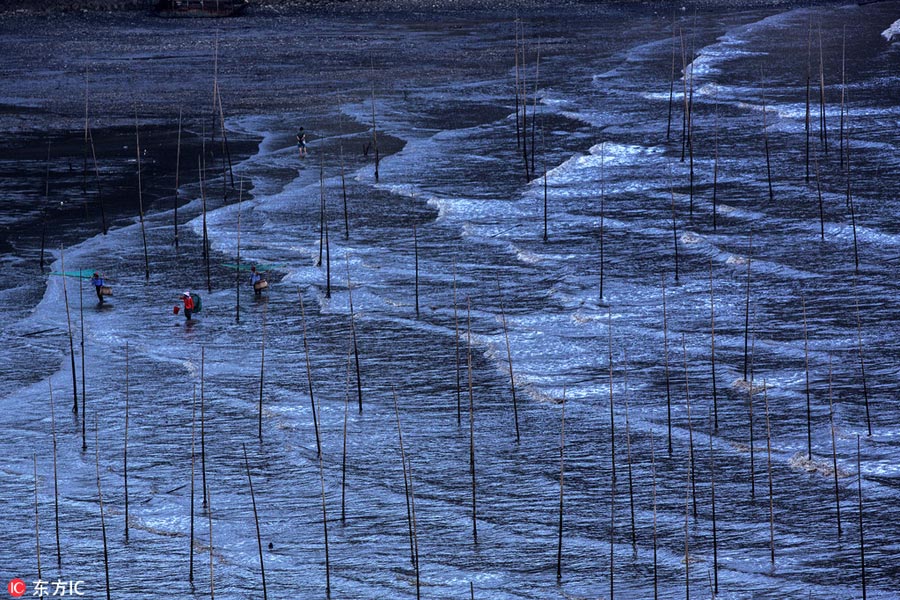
(471, 419)
(321, 210)
(862, 366)
(685, 110)
(353, 334)
(525, 115)
(226, 151)
(766, 144)
(262, 368)
(37, 528)
(687, 395)
(612, 419)
(862, 546)
(674, 222)
(205, 231)
(769, 470)
(712, 477)
(750, 406)
(212, 594)
(747, 308)
(690, 138)
(410, 496)
(672, 82)
(808, 405)
(834, 465)
(715, 158)
(602, 209)
(823, 123)
(262, 566)
(237, 277)
(62, 258)
(653, 469)
(83, 410)
(850, 202)
(100, 496)
(203, 425)
(537, 72)
(344, 451)
(687, 558)
(46, 202)
(137, 138)
(518, 131)
(344, 191)
(416, 252)
(55, 478)
(125, 450)
(104, 227)
(630, 479)
(177, 173)
(512, 381)
(612, 529)
(309, 376)
(808, 78)
(819, 192)
(843, 89)
(374, 129)
(327, 250)
(191, 547)
(712, 352)
(562, 450)
(456, 328)
(666, 358)
(545, 186)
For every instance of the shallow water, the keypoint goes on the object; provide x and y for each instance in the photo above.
(444, 96)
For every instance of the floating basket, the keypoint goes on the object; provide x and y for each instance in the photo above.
(105, 290)
(261, 285)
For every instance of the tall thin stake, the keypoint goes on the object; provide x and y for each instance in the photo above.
(808, 403)
(262, 566)
(374, 128)
(237, 276)
(353, 334)
(55, 478)
(687, 395)
(262, 368)
(712, 477)
(137, 137)
(205, 230)
(83, 378)
(862, 367)
(562, 469)
(212, 594)
(769, 470)
(37, 527)
(512, 381)
(747, 306)
(125, 450)
(612, 419)
(416, 252)
(456, 329)
(715, 159)
(325, 529)
(471, 419)
(712, 350)
(834, 465)
(672, 82)
(62, 258)
(862, 544)
(602, 210)
(177, 173)
(191, 547)
(766, 144)
(674, 222)
(312, 400)
(344, 451)
(653, 469)
(100, 496)
(628, 456)
(666, 361)
(823, 123)
(203, 426)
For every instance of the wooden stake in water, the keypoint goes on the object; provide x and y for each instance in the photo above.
(834, 465)
(262, 565)
(205, 230)
(262, 368)
(712, 350)
(672, 82)
(137, 137)
(823, 123)
(312, 400)
(666, 361)
(325, 530)
(37, 528)
(715, 158)
(843, 89)
(537, 72)
(602, 211)
(344, 451)
(191, 547)
(747, 307)
(752, 449)
(562, 469)
(628, 455)
(821, 204)
(687, 395)
(212, 594)
(410, 497)
(674, 222)
(344, 187)
(125, 451)
(862, 544)
(327, 245)
(203, 425)
(103, 225)
(62, 259)
(712, 477)
(237, 271)
(769, 470)
(850, 202)
(862, 367)
(518, 130)
(55, 478)
(416, 252)
(808, 81)
(46, 203)
(100, 496)
(83, 378)
(374, 129)
(808, 404)
(612, 418)
(512, 381)
(456, 329)
(321, 210)
(685, 109)
(177, 173)
(687, 556)
(766, 144)
(653, 469)
(353, 335)
(471, 419)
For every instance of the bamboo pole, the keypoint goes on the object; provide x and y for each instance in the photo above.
(562, 450)
(456, 329)
(471, 419)
(834, 465)
(518, 131)
(203, 426)
(862, 545)
(685, 110)
(237, 276)
(103, 225)
(321, 210)
(416, 252)
(100, 496)
(125, 450)
(262, 368)
(525, 113)
(191, 547)
(512, 381)
(769, 470)
(137, 137)
(612, 527)
(212, 593)
(808, 82)
(653, 471)
(687, 556)
(353, 335)
(309, 376)
(537, 72)
(612, 420)
(747, 307)
(62, 258)
(715, 158)
(226, 150)
(602, 209)
(262, 566)
(823, 123)
(850, 200)
(843, 89)
(85, 145)
(672, 83)
(630, 478)
(712, 351)
(819, 192)
(674, 222)
(690, 134)
(687, 395)
(83, 378)
(46, 203)
(325, 529)
(862, 366)
(410, 497)
(37, 528)
(327, 244)
(344, 451)
(666, 360)
(205, 230)
(374, 128)
(55, 478)
(752, 449)
(344, 184)
(766, 144)
(177, 173)
(712, 477)
(808, 404)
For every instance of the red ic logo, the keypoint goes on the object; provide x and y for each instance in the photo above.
(16, 588)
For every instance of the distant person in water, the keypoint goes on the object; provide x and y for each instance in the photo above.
(301, 143)
(98, 283)
(255, 278)
(188, 305)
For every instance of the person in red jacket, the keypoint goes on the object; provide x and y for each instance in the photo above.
(188, 305)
